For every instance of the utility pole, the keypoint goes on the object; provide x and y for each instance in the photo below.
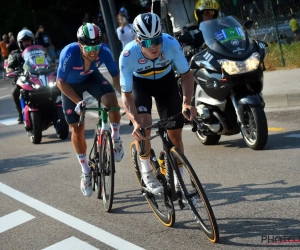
(110, 29)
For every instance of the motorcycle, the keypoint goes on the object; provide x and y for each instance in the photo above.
(228, 82)
(39, 96)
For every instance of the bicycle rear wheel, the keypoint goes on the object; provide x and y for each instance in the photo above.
(107, 171)
(194, 195)
(161, 204)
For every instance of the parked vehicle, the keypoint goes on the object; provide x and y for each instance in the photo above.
(39, 97)
(228, 77)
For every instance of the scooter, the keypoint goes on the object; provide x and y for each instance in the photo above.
(39, 96)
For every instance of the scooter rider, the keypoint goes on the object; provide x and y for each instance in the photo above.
(25, 39)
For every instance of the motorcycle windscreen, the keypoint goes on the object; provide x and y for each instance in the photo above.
(226, 36)
(36, 60)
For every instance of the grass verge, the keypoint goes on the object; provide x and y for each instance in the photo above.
(290, 53)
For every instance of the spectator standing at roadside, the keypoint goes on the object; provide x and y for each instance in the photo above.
(4, 44)
(44, 40)
(13, 44)
(86, 18)
(100, 23)
(295, 27)
(124, 10)
(125, 30)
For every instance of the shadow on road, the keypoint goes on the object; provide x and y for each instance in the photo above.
(15, 164)
(276, 141)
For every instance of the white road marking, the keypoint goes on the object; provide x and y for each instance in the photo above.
(10, 121)
(14, 219)
(80, 225)
(5, 96)
(2, 89)
(293, 135)
(71, 243)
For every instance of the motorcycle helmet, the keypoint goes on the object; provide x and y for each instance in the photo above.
(23, 35)
(89, 34)
(147, 26)
(202, 5)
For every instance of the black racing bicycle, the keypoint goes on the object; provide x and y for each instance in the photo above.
(101, 157)
(189, 195)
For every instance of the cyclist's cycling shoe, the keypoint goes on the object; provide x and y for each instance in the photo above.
(118, 149)
(86, 184)
(152, 184)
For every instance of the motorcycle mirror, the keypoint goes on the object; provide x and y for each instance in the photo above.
(248, 24)
(11, 74)
(185, 38)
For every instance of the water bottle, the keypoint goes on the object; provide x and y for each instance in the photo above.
(161, 161)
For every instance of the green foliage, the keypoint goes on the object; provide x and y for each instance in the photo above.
(291, 56)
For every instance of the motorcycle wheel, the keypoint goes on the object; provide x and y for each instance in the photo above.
(62, 127)
(255, 132)
(208, 139)
(36, 132)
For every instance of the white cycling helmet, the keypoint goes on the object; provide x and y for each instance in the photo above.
(147, 26)
(22, 35)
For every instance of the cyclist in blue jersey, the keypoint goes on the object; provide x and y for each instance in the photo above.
(78, 72)
(146, 72)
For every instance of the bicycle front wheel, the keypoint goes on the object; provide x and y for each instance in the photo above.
(107, 171)
(194, 195)
(161, 204)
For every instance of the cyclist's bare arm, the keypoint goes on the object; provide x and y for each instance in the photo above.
(131, 111)
(68, 91)
(187, 92)
(116, 80)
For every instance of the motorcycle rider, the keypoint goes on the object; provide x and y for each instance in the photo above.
(78, 72)
(25, 39)
(204, 10)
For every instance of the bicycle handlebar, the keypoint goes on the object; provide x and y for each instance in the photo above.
(84, 108)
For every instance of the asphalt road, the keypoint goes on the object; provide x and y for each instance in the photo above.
(254, 194)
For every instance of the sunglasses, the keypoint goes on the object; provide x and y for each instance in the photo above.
(91, 48)
(147, 43)
(208, 12)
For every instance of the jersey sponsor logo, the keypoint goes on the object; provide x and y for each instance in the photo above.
(126, 53)
(162, 56)
(163, 63)
(69, 111)
(82, 161)
(86, 72)
(123, 88)
(107, 49)
(142, 108)
(148, 67)
(105, 82)
(142, 60)
(78, 68)
(65, 62)
(171, 38)
(140, 69)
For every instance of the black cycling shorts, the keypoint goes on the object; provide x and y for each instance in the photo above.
(166, 93)
(96, 85)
